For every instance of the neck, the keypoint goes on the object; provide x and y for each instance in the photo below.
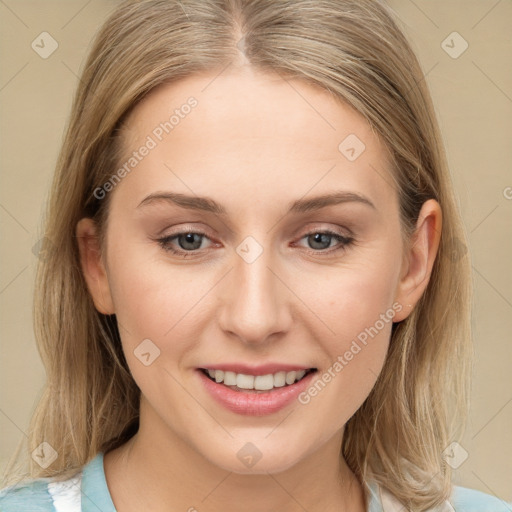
(156, 468)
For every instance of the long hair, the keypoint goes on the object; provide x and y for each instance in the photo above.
(355, 50)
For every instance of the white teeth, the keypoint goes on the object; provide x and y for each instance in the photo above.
(245, 381)
(264, 382)
(259, 382)
(290, 377)
(229, 378)
(279, 379)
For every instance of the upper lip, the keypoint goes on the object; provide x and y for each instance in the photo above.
(263, 369)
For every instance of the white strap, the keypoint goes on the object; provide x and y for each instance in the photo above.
(66, 495)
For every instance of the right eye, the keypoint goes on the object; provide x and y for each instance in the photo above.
(188, 241)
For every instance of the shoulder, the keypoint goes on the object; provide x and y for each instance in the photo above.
(471, 500)
(42, 495)
(32, 496)
(462, 499)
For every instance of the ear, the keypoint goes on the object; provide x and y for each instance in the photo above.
(93, 267)
(419, 258)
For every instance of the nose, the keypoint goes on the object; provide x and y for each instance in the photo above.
(254, 301)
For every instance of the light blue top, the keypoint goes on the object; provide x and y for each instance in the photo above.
(87, 491)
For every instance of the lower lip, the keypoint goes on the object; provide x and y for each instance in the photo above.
(255, 404)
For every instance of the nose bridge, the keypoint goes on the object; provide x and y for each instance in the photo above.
(254, 306)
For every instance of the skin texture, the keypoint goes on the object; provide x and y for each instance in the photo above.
(254, 145)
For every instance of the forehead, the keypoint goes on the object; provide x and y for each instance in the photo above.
(250, 131)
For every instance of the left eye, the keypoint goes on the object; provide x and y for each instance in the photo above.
(190, 242)
(321, 240)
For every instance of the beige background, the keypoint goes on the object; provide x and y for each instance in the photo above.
(473, 98)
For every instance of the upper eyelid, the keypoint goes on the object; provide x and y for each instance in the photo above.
(198, 231)
(331, 232)
(190, 229)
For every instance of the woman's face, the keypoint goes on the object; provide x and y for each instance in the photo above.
(270, 274)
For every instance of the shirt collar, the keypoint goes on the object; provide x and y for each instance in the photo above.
(96, 496)
(95, 493)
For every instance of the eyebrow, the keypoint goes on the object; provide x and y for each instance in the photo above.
(207, 204)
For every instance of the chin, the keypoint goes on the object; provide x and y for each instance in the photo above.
(256, 458)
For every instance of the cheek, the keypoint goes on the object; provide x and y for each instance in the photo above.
(165, 302)
(354, 317)
(350, 298)
(157, 310)
(355, 356)
(157, 301)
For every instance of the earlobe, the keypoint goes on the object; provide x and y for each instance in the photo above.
(93, 267)
(420, 258)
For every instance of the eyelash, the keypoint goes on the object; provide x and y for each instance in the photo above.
(345, 241)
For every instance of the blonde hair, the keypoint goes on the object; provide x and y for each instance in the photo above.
(355, 50)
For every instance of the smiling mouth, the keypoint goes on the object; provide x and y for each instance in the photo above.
(256, 384)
